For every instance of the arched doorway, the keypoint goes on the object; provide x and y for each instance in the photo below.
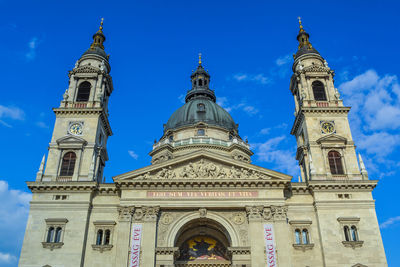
(203, 242)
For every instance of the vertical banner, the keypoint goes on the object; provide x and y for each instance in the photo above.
(135, 248)
(270, 245)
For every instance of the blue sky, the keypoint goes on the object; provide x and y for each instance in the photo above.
(247, 48)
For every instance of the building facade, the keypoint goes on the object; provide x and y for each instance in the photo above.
(201, 202)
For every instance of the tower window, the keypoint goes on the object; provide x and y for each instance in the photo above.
(319, 91)
(99, 239)
(83, 92)
(200, 82)
(297, 236)
(354, 235)
(68, 164)
(50, 235)
(201, 132)
(346, 233)
(335, 162)
(58, 235)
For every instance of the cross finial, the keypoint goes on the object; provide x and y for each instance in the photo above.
(301, 26)
(199, 58)
(101, 24)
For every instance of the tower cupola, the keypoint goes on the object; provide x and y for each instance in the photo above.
(200, 85)
(305, 46)
(97, 46)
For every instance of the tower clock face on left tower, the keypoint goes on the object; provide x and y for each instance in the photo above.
(75, 128)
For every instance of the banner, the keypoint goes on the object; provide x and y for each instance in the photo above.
(135, 248)
(270, 245)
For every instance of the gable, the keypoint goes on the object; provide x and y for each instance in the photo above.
(202, 165)
(71, 141)
(332, 139)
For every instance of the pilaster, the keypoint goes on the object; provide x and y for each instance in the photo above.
(256, 234)
(123, 236)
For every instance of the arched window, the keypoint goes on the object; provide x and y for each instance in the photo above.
(68, 164)
(297, 236)
(50, 235)
(107, 235)
(335, 162)
(200, 82)
(346, 233)
(58, 235)
(99, 237)
(354, 235)
(319, 91)
(83, 92)
(304, 235)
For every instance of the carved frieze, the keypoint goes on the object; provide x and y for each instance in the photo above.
(203, 169)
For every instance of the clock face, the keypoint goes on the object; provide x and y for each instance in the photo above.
(76, 129)
(327, 127)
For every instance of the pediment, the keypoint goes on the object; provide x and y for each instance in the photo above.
(86, 69)
(316, 68)
(71, 141)
(202, 165)
(332, 139)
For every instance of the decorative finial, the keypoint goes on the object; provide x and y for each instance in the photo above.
(199, 58)
(301, 26)
(101, 24)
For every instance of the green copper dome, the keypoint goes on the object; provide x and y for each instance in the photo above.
(201, 110)
(200, 106)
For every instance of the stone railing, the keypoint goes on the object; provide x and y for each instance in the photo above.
(200, 140)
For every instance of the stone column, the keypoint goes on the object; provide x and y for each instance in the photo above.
(256, 235)
(148, 216)
(123, 236)
(282, 235)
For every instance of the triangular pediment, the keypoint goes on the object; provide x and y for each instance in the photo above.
(71, 141)
(202, 165)
(332, 139)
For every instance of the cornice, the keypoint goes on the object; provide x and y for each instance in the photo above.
(200, 183)
(37, 187)
(348, 185)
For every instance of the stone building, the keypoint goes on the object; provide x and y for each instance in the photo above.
(202, 202)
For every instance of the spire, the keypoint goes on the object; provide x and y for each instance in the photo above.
(98, 37)
(200, 84)
(303, 37)
(364, 172)
(41, 168)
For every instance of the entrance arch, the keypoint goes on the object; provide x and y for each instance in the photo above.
(203, 242)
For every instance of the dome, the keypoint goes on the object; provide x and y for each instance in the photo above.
(96, 51)
(200, 110)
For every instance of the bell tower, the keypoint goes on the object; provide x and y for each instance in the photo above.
(325, 147)
(78, 147)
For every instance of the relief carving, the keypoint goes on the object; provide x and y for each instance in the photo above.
(267, 213)
(238, 218)
(167, 218)
(151, 213)
(124, 213)
(279, 212)
(203, 212)
(206, 170)
(254, 212)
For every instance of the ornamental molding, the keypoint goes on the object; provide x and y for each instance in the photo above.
(52, 245)
(124, 213)
(353, 244)
(303, 247)
(102, 248)
(239, 250)
(340, 185)
(316, 68)
(200, 165)
(87, 69)
(37, 187)
(167, 251)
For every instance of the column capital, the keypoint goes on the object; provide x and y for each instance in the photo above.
(125, 213)
(279, 213)
(146, 213)
(254, 212)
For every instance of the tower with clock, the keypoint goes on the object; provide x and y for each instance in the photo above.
(325, 148)
(77, 151)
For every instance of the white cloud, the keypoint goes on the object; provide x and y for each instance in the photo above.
(32, 46)
(7, 258)
(389, 222)
(9, 112)
(42, 124)
(380, 143)
(13, 215)
(249, 109)
(265, 131)
(282, 159)
(375, 98)
(182, 98)
(257, 78)
(133, 154)
(283, 60)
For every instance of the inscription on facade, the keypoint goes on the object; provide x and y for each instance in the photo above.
(202, 194)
